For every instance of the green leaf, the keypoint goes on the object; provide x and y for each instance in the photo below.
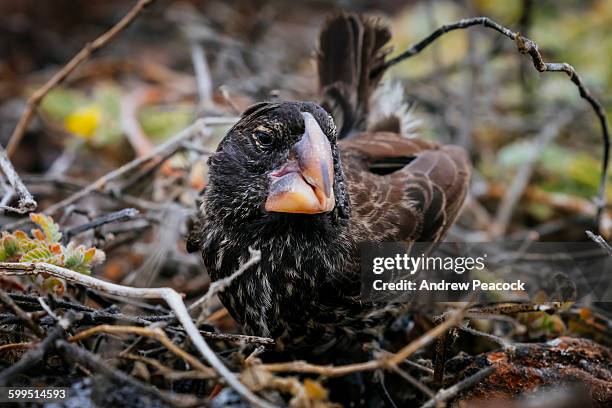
(80, 259)
(48, 226)
(45, 246)
(10, 245)
(39, 254)
(75, 260)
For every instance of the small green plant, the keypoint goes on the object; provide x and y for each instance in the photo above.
(44, 245)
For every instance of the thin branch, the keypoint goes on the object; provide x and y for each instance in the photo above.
(170, 296)
(525, 46)
(115, 216)
(168, 373)
(239, 338)
(505, 344)
(26, 201)
(495, 311)
(46, 308)
(16, 346)
(61, 75)
(130, 105)
(418, 366)
(202, 73)
(446, 394)
(6, 299)
(414, 382)
(600, 241)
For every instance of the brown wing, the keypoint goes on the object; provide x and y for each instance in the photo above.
(403, 189)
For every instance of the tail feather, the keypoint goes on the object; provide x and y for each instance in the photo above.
(350, 47)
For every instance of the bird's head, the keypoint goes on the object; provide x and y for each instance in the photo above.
(279, 162)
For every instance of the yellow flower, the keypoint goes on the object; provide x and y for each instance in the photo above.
(84, 121)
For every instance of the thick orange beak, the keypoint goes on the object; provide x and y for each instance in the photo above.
(304, 184)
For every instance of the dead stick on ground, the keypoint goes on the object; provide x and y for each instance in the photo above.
(170, 296)
(525, 46)
(446, 394)
(26, 201)
(17, 346)
(61, 75)
(6, 299)
(482, 312)
(239, 338)
(167, 372)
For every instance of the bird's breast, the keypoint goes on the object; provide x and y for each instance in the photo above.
(291, 290)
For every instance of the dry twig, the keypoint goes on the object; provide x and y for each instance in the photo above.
(505, 344)
(484, 312)
(167, 372)
(600, 241)
(445, 394)
(115, 216)
(239, 338)
(26, 201)
(16, 346)
(61, 75)
(6, 299)
(203, 78)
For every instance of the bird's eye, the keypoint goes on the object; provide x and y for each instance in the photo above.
(262, 138)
